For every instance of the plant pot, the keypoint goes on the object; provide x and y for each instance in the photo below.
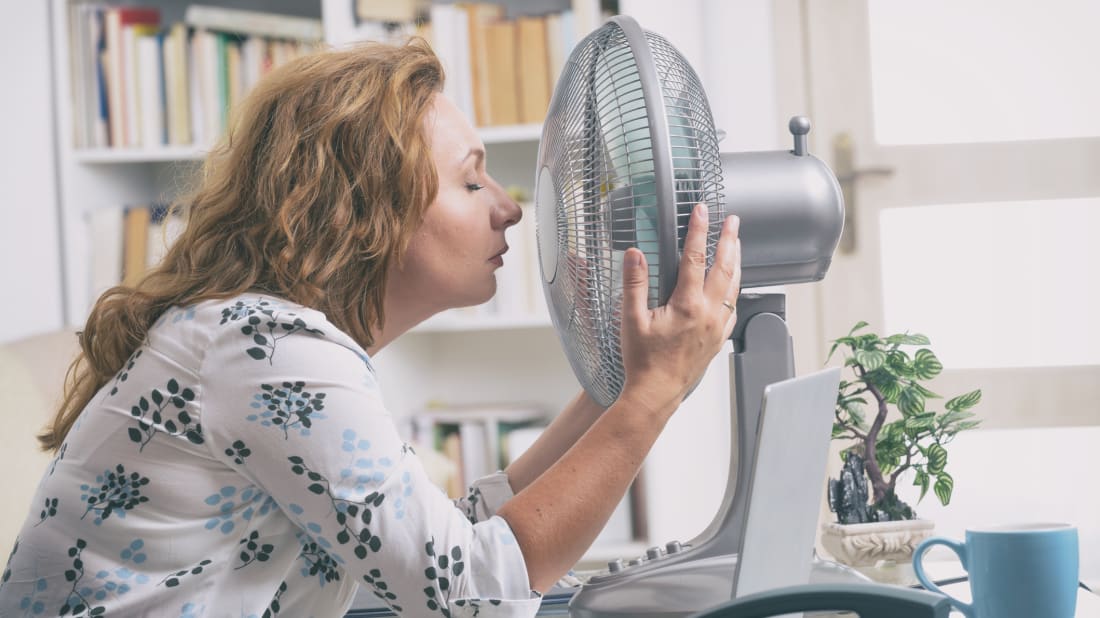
(882, 551)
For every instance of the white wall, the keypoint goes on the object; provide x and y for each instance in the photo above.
(30, 260)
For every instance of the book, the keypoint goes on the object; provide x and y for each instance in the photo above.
(119, 70)
(150, 93)
(135, 244)
(500, 43)
(532, 68)
(388, 10)
(477, 459)
(450, 41)
(131, 84)
(272, 25)
(478, 16)
(165, 225)
(105, 226)
(176, 75)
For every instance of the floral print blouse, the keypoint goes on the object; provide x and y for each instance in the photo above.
(242, 463)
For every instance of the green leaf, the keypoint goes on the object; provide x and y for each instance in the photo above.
(924, 391)
(921, 481)
(832, 350)
(920, 423)
(908, 339)
(868, 342)
(926, 365)
(964, 402)
(858, 326)
(838, 430)
(898, 362)
(870, 359)
(964, 426)
(911, 402)
(937, 458)
(943, 487)
(135, 434)
(257, 353)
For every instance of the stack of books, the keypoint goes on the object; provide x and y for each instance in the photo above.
(138, 83)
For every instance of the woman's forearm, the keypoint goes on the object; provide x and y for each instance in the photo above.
(554, 441)
(556, 517)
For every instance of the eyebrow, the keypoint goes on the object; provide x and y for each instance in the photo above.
(474, 152)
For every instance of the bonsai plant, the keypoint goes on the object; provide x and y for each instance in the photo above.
(884, 375)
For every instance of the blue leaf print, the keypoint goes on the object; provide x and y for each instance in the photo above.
(237, 505)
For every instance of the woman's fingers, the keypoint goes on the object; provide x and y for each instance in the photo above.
(635, 288)
(693, 260)
(724, 279)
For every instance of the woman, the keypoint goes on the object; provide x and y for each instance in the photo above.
(213, 437)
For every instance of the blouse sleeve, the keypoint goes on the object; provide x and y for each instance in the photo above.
(300, 415)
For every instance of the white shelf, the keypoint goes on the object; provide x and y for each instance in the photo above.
(455, 323)
(140, 155)
(511, 133)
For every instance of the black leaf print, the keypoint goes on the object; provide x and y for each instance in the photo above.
(125, 372)
(48, 511)
(265, 326)
(238, 451)
(173, 580)
(60, 456)
(173, 401)
(75, 603)
(288, 406)
(469, 507)
(347, 511)
(437, 573)
(273, 609)
(7, 569)
(318, 562)
(116, 491)
(381, 589)
(475, 604)
(254, 551)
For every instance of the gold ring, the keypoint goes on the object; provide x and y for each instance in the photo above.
(728, 305)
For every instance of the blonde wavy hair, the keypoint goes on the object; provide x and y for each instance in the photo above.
(312, 196)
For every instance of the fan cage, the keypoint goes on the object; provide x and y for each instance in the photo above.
(601, 151)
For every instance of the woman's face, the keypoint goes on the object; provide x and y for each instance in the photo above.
(453, 255)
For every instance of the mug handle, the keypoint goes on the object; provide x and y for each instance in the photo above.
(918, 568)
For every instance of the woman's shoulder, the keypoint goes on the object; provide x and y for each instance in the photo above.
(259, 321)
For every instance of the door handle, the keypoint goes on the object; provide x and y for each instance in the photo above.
(847, 175)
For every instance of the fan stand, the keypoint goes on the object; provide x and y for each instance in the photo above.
(681, 579)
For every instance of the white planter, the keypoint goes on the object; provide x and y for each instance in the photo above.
(881, 550)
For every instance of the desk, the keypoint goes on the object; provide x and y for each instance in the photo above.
(1088, 605)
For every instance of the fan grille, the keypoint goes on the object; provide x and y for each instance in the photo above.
(611, 177)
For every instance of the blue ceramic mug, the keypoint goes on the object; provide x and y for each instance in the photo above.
(1016, 571)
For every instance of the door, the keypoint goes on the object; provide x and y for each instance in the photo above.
(967, 140)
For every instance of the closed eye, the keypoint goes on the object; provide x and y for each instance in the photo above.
(473, 186)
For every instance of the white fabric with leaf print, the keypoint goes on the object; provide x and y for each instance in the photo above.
(243, 464)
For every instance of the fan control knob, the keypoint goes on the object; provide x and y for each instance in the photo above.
(635, 562)
(653, 553)
(799, 127)
(673, 547)
(615, 565)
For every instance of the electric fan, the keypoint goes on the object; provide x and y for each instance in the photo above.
(628, 148)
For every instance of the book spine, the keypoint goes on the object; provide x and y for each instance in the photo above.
(253, 22)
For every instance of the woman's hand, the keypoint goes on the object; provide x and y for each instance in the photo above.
(667, 349)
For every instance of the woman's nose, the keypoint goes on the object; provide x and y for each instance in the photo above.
(507, 212)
